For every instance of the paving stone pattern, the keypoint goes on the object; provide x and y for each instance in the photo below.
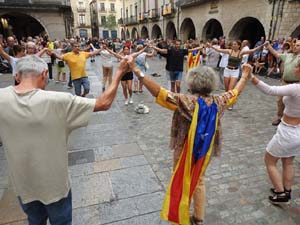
(120, 165)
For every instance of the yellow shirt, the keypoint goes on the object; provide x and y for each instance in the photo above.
(76, 63)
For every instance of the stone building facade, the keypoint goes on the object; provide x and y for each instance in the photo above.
(34, 17)
(82, 19)
(103, 14)
(205, 19)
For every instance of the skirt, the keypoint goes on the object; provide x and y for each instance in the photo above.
(127, 76)
(286, 142)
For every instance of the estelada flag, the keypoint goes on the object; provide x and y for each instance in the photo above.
(192, 164)
(193, 59)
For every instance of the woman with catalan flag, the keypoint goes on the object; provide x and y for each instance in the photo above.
(195, 137)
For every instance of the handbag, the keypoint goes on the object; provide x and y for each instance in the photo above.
(61, 64)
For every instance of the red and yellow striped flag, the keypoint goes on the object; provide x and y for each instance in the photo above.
(192, 164)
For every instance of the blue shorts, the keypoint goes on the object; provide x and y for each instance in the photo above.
(84, 81)
(175, 76)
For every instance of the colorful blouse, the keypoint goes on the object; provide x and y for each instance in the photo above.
(183, 106)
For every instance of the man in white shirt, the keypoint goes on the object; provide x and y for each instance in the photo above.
(35, 125)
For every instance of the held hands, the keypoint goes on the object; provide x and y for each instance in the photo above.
(267, 44)
(246, 70)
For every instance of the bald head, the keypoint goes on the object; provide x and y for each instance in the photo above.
(10, 41)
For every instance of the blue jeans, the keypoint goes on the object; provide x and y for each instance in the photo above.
(84, 81)
(59, 213)
(175, 76)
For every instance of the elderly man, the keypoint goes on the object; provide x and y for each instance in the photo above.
(76, 61)
(289, 63)
(10, 44)
(35, 125)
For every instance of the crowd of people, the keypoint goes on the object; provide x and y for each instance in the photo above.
(196, 128)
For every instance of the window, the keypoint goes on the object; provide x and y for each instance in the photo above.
(81, 19)
(130, 10)
(103, 20)
(102, 6)
(83, 33)
(112, 7)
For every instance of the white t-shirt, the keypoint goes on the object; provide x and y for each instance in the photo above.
(106, 58)
(224, 60)
(13, 62)
(245, 56)
(35, 126)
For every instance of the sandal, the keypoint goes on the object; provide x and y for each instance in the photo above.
(279, 198)
(195, 221)
(287, 192)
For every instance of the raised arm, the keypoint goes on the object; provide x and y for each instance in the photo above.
(195, 49)
(286, 90)
(225, 51)
(42, 52)
(250, 51)
(4, 54)
(134, 55)
(272, 50)
(118, 56)
(104, 101)
(160, 50)
(60, 57)
(246, 70)
(149, 55)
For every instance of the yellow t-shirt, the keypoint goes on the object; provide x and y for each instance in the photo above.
(76, 63)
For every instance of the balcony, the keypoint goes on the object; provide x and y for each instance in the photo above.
(132, 20)
(189, 3)
(102, 10)
(81, 9)
(154, 14)
(143, 17)
(120, 21)
(168, 11)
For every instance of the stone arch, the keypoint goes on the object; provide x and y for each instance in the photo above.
(212, 29)
(22, 25)
(187, 29)
(144, 32)
(296, 33)
(156, 32)
(247, 28)
(171, 31)
(127, 34)
(123, 34)
(134, 34)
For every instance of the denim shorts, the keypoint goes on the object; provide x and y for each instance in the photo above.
(84, 81)
(175, 75)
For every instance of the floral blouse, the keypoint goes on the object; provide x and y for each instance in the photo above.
(183, 106)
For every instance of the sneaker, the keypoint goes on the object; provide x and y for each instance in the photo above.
(230, 108)
(57, 81)
(130, 101)
(276, 122)
(70, 87)
(126, 102)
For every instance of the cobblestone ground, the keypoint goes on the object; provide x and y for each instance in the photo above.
(120, 164)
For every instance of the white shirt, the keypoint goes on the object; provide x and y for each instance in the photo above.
(35, 126)
(106, 58)
(13, 62)
(224, 60)
(245, 56)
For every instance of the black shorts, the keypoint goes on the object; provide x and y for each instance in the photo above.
(127, 76)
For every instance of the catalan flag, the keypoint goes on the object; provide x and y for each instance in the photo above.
(193, 59)
(192, 164)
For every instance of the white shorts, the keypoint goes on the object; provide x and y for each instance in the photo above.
(231, 73)
(286, 142)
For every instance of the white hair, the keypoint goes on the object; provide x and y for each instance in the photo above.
(30, 65)
(202, 80)
(30, 44)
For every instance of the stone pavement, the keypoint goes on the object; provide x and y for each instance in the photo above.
(120, 164)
